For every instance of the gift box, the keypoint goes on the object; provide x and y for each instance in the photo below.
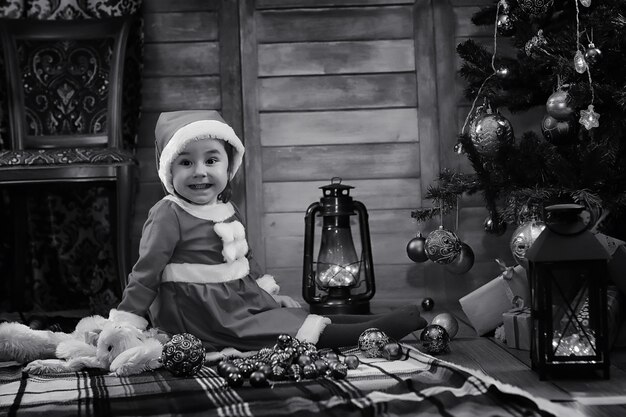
(485, 305)
(517, 327)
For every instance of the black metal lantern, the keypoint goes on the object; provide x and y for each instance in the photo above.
(338, 281)
(568, 279)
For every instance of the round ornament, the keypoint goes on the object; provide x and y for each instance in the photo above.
(416, 249)
(558, 132)
(392, 351)
(448, 322)
(463, 262)
(535, 8)
(435, 339)
(428, 304)
(593, 54)
(183, 355)
(442, 246)
(489, 133)
(352, 361)
(560, 105)
(505, 25)
(522, 239)
(235, 379)
(258, 379)
(372, 341)
(494, 227)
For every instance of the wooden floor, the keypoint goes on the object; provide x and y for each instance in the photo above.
(594, 397)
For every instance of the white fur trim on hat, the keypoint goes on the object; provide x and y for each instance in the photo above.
(268, 284)
(193, 131)
(120, 317)
(312, 328)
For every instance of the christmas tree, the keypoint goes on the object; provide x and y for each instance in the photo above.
(569, 57)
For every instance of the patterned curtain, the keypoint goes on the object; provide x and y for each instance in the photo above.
(73, 263)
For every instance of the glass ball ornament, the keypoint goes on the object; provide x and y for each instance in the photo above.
(505, 25)
(435, 339)
(522, 239)
(448, 322)
(372, 341)
(492, 227)
(463, 262)
(560, 105)
(416, 249)
(489, 132)
(593, 54)
(183, 355)
(428, 304)
(442, 246)
(558, 132)
(392, 351)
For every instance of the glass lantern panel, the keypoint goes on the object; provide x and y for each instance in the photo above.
(573, 334)
(337, 263)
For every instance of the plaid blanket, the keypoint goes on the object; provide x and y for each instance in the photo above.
(417, 384)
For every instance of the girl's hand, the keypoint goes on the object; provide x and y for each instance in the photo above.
(286, 301)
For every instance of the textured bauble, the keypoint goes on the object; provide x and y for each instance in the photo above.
(560, 105)
(505, 25)
(522, 239)
(593, 54)
(492, 227)
(392, 351)
(351, 361)
(463, 262)
(535, 8)
(428, 304)
(372, 341)
(416, 249)
(435, 339)
(490, 132)
(442, 246)
(559, 132)
(448, 322)
(183, 355)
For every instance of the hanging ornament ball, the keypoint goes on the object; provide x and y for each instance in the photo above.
(435, 339)
(494, 227)
(416, 249)
(558, 132)
(504, 73)
(505, 25)
(593, 54)
(442, 246)
(428, 304)
(448, 322)
(560, 105)
(372, 341)
(489, 132)
(535, 8)
(522, 239)
(463, 262)
(183, 355)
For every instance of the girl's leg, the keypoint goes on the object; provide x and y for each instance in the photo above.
(395, 324)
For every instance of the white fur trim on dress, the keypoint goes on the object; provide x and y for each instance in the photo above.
(217, 212)
(312, 328)
(200, 129)
(268, 284)
(206, 274)
(233, 236)
(127, 318)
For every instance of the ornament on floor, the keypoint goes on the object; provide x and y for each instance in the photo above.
(535, 44)
(496, 228)
(463, 261)
(183, 355)
(435, 339)
(560, 104)
(535, 8)
(580, 65)
(592, 54)
(372, 341)
(559, 132)
(416, 249)
(522, 239)
(505, 25)
(442, 246)
(428, 304)
(589, 118)
(489, 132)
(392, 351)
(448, 322)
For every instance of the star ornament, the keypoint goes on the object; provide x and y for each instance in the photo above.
(589, 118)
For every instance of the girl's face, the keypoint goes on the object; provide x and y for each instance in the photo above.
(200, 172)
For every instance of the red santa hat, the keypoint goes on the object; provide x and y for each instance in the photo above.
(174, 130)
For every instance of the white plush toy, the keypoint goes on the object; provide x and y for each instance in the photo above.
(120, 344)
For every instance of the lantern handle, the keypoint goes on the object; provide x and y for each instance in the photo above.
(308, 277)
(366, 247)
